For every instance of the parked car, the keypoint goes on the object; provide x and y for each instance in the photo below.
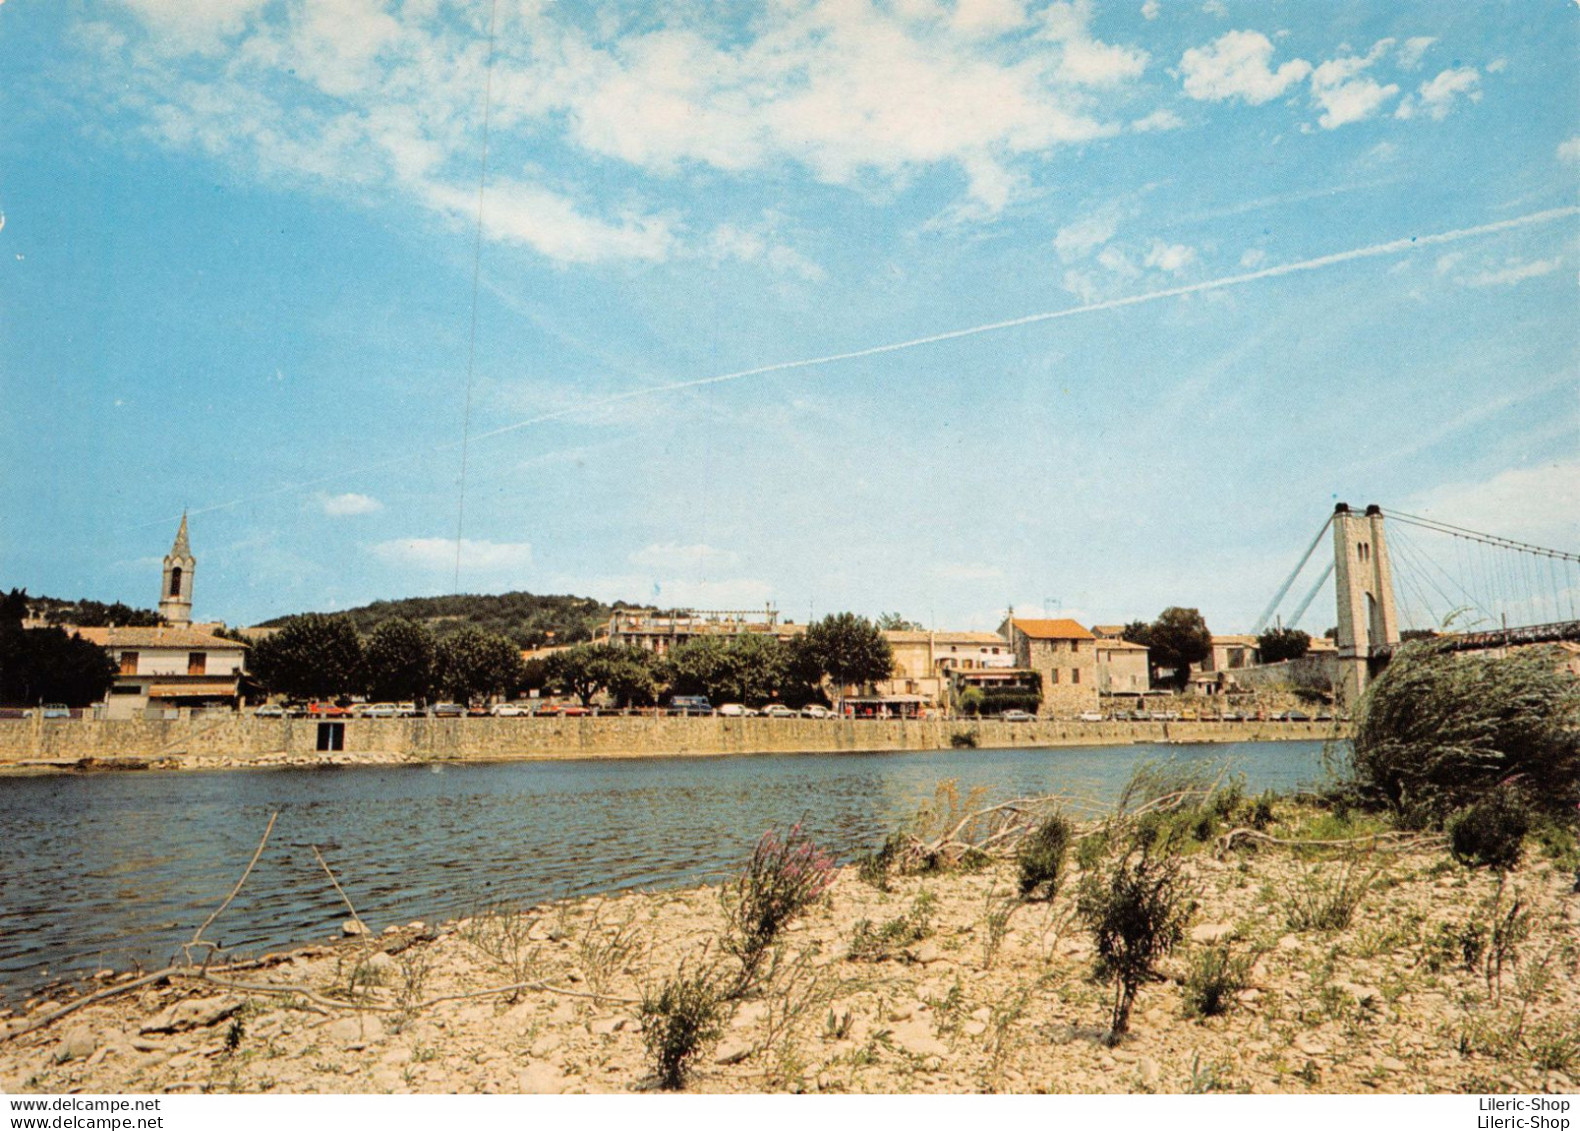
(1016, 716)
(56, 711)
(690, 705)
(1090, 716)
(777, 711)
(510, 710)
(816, 711)
(734, 710)
(269, 711)
(1292, 717)
(407, 710)
(382, 711)
(448, 711)
(320, 710)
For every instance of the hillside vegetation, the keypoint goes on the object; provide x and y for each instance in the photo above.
(527, 619)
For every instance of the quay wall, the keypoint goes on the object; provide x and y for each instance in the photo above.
(243, 740)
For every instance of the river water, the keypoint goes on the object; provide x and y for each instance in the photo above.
(116, 869)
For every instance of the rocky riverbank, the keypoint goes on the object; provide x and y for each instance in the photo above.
(942, 983)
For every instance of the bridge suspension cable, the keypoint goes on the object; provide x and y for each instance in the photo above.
(1272, 606)
(1503, 580)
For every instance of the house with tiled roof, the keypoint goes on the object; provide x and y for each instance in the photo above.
(167, 668)
(1063, 654)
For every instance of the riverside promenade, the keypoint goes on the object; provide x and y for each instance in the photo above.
(225, 741)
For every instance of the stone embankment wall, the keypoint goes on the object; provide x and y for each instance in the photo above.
(243, 740)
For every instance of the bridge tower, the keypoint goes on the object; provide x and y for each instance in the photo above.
(1363, 584)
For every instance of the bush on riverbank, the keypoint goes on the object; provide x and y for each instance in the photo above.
(1438, 731)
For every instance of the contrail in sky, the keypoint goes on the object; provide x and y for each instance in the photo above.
(1392, 247)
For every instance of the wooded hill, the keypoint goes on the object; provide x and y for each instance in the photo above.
(528, 619)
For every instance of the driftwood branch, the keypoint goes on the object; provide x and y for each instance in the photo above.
(1386, 841)
(258, 852)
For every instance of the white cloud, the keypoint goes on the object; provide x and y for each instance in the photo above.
(1497, 66)
(338, 506)
(1412, 50)
(1446, 263)
(367, 98)
(1150, 10)
(1539, 505)
(1118, 262)
(1437, 96)
(1517, 271)
(1172, 258)
(1253, 257)
(1569, 151)
(552, 225)
(732, 242)
(1344, 95)
(437, 555)
(1158, 120)
(1215, 8)
(1236, 65)
(1080, 239)
(671, 557)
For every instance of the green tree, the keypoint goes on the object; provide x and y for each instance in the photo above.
(1279, 644)
(894, 622)
(312, 656)
(749, 668)
(849, 649)
(47, 665)
(628, 675)
(578, 671)
(1177, 639)
(471, 664)
(399, 657)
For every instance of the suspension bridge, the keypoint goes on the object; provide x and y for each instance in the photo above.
(1395, 575)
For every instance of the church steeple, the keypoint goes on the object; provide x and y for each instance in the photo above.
(175, 594)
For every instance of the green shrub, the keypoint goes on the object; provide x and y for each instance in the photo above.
(875, 867)
(1041, 858)
(1216, 975)
(1490, 833)
(1261, 814)
(963, 740)
(1137, 913)
(1437, 731)
(874, 944)
(681, 1022)
(781, 880)
(1091, 848)
(1327, 902)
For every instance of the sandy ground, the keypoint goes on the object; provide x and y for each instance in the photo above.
(906, 990)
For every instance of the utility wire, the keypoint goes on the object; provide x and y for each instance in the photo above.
(477, 265)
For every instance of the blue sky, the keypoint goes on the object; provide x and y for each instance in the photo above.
(237, 276)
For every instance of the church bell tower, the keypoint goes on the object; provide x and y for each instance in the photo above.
(175, 595)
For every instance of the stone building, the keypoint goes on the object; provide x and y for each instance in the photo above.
(1122, 667)
(660, 632)
(1064, 655)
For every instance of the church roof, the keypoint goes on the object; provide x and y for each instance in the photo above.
(182, 548)
(163, 637)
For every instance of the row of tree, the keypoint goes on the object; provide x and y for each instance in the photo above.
(315, 656)
(47, 665)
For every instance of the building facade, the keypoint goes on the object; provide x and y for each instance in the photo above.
(1064, 656)
(163, 669)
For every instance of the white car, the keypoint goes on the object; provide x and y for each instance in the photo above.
(509, 710)
(734, 710)
(777, 711)
(1090, 716)
(816, 711)
(382, 711)
(1016, 716)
